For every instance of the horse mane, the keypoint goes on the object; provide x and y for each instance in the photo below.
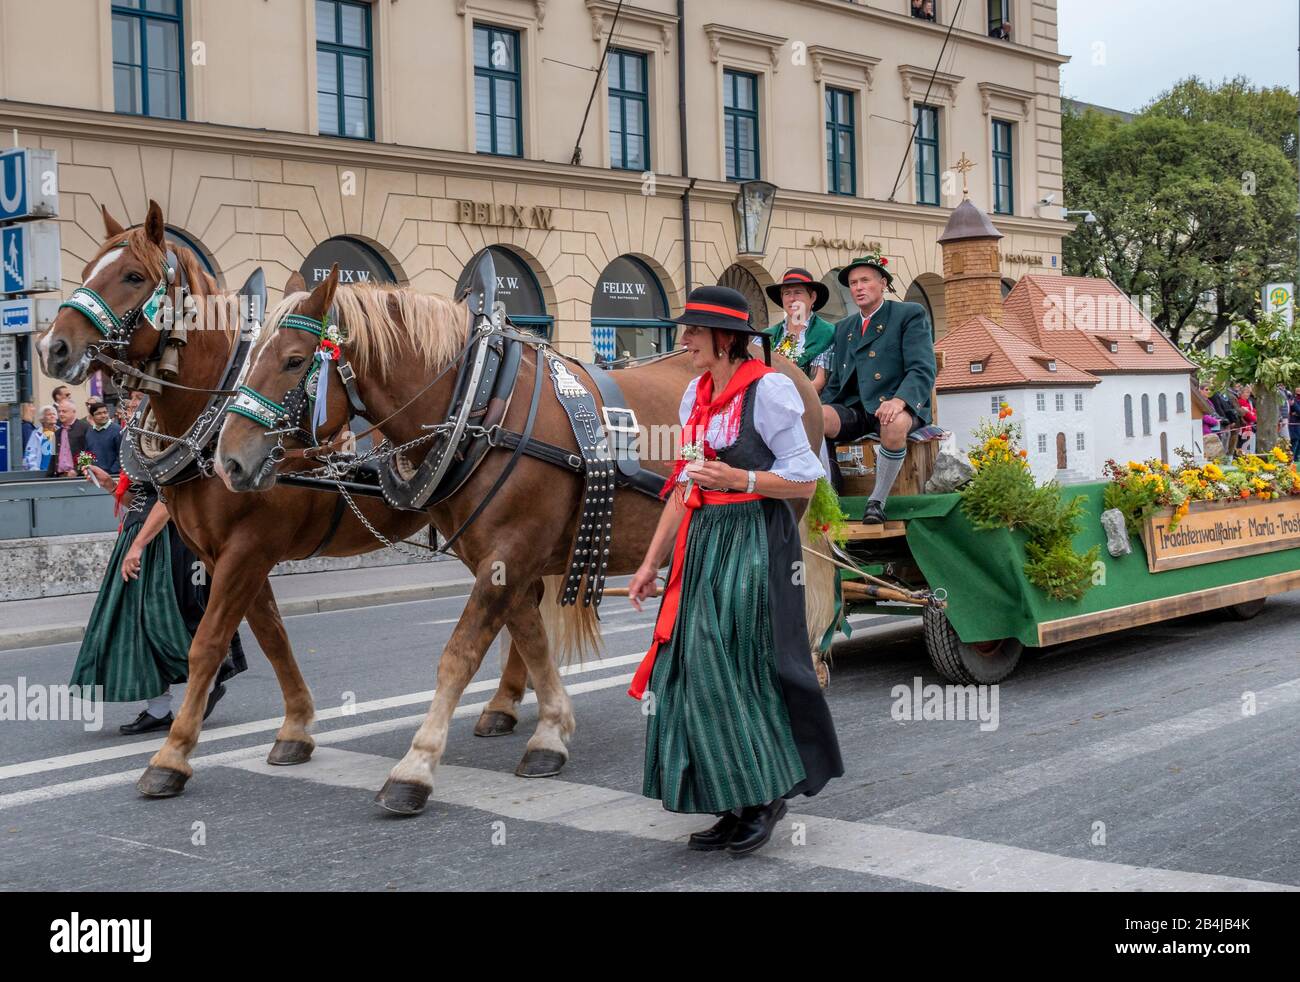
(380, 324)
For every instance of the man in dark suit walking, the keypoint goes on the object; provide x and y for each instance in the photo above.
(69, 440)
(882, 374)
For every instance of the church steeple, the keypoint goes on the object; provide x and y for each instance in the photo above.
(972, 269)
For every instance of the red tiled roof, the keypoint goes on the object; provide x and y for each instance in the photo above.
(1076, 318)
(1009, 360)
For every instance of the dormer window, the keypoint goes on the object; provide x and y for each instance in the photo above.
(976, 367)
(1114, 347)
(1051, 365)
(1150, 346)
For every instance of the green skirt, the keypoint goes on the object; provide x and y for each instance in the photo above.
(136, 643)
(719, 734)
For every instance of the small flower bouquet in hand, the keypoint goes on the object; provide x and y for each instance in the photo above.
(84, 460)
(694, 454)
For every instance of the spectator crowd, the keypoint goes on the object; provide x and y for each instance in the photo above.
(57, 442)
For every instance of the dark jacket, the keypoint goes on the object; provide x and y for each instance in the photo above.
(894, 359)
(76, 434)
(1227, 408)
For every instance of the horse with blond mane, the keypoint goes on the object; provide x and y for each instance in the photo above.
(516, 528)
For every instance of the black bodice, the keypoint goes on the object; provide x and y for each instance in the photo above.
(749, 452)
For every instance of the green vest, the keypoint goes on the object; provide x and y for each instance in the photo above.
(818, 336)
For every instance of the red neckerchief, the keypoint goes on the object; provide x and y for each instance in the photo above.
(706, 407)
(866, 320)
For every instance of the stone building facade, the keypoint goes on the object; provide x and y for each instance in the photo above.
(413, 165)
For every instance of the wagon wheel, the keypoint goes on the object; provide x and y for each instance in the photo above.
(982, 663)
(1246, 610)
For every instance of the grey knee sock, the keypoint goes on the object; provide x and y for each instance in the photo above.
(888, 464)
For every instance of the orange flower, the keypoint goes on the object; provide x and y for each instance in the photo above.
(1024, 453)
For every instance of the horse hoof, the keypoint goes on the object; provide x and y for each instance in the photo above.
(493, 723)
(286, 752)
(541, 763)
(402, 797)
(161, 782)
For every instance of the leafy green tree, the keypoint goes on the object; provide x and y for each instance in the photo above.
(1195, 201)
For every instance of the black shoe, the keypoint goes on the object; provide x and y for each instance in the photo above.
(756, 826)
(214, 697)
(717, 835)
(874, 514)
(144, 723)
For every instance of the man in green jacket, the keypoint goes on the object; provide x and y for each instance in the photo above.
(803, 337)
(881, 376)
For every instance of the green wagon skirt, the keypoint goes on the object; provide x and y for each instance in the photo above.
(136, 643)
(719, 733)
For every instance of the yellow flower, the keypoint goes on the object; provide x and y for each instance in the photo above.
(1270, 467)
(1213, 472)
(1280, 455)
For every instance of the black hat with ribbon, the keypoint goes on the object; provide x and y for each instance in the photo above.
(717, 307)
(801, 277)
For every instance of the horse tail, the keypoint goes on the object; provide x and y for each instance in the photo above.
(572, 632)
(819, 586)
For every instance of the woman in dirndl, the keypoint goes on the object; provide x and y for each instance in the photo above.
(137, 642)
(737, 723)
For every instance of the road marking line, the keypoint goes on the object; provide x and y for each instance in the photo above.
(151, 746)
(940, 861)
(943, 808)
(16, 799)
(150, 845)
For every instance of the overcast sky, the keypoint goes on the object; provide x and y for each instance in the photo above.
(1123, 53)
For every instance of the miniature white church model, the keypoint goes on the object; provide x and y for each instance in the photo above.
(1086, 374)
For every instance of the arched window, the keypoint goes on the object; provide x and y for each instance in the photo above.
(179, 238)
(1180, 403)
(627, 311)
(359, 262)
(1146, 414)
(1128, 415)
(1162, 407)
(517, 288)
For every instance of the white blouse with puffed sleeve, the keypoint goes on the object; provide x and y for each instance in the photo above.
(778, 417)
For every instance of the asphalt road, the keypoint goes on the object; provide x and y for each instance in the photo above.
(1157, 759)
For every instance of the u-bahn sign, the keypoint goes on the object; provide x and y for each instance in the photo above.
(28, 184)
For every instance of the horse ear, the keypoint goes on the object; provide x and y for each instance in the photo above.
(154, 226)
(295, 284)
(112, 229)
(323, 295)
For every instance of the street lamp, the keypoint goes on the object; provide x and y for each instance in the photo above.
(1088, 217)
(754, 217)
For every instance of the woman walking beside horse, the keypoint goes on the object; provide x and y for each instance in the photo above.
(737, 721)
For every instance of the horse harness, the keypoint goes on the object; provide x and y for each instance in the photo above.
(487, 372)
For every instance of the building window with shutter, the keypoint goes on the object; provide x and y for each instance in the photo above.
(148, 61)
(1004, 201)
(740, 125)
(629, 111)
(498, 84)
(926, 119)
(343, 70)
(841, 143)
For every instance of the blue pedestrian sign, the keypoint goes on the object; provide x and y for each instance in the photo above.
(28, 184)
(29, 255)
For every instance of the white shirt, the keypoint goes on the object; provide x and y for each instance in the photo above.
(778, 417)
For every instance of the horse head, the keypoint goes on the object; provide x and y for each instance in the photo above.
(122, 305)
(275, 402)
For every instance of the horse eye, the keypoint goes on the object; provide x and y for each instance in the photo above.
(294, 363)
(134, 278)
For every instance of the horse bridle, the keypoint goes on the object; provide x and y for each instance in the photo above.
(118, 331)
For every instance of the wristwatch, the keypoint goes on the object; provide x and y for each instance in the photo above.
(749, 485)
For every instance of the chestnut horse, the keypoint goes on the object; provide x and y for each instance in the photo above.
(238, 537)
(399, 341)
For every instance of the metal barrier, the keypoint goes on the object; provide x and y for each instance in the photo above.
(52, 506)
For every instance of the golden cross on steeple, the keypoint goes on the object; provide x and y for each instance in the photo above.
(963, 167)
